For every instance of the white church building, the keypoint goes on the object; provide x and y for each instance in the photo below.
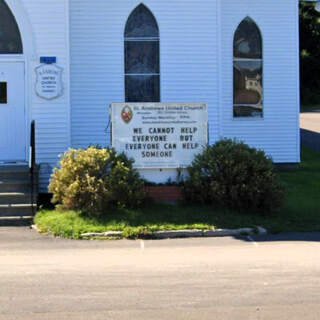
(64, 62)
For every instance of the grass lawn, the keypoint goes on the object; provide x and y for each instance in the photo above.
(301, 211)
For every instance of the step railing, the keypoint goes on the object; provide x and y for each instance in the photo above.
(32, 163)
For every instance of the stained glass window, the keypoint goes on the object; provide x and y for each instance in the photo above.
(10, 38)
(141, 24)
(247, 71)
(142, 67)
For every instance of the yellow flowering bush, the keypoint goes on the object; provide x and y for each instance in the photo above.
(94, 180)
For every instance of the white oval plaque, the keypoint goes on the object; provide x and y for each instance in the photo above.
(49, 81)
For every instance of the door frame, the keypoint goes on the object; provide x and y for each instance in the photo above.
(28, 58)
(15, 60)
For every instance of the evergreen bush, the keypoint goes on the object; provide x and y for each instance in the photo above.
(234, 175)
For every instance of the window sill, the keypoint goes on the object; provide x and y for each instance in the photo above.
(240, 119)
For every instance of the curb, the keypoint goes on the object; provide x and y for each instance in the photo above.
(195, 233)
(103, 234)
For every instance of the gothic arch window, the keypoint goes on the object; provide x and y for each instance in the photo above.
(142, 67)
(247, 70)
(10, 38)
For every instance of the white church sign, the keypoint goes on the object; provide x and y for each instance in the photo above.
(49, 81)
(160, 135)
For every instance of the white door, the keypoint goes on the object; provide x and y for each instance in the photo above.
(12, 112)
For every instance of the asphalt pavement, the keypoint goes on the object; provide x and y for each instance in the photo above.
(310, 129)
(264, 277)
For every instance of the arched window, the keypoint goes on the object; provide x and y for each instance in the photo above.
(247, 71)
(10, 38)
(142, 70)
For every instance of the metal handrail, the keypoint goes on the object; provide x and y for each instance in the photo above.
(32, 160)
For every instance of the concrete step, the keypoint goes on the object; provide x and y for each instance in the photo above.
(14, 168)
(15, 221)
(16, 210)
(15, 185)
(15, 192)
(20, 175)
(15, 198)
(14, 172)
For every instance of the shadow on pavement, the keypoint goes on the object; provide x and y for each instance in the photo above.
(294, 236)
(310, 139)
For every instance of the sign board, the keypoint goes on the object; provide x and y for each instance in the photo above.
(48, 60)
(49, 81)
(160, 135)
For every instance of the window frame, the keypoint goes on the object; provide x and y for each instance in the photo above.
(261, 60)
(142, 39)
(15, 24)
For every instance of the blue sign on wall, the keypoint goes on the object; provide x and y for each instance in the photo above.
(48, 60)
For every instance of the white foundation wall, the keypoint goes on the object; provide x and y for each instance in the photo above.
(49, 21)
(278, 132)
(188, 62)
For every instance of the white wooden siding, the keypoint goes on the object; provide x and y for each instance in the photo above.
(196, 45)
(188, 62)
(278, 132)
(50, 23)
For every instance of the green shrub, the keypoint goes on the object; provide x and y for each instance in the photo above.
(232, 174)
(94, 180)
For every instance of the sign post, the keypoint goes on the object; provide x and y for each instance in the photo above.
(160, 135)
